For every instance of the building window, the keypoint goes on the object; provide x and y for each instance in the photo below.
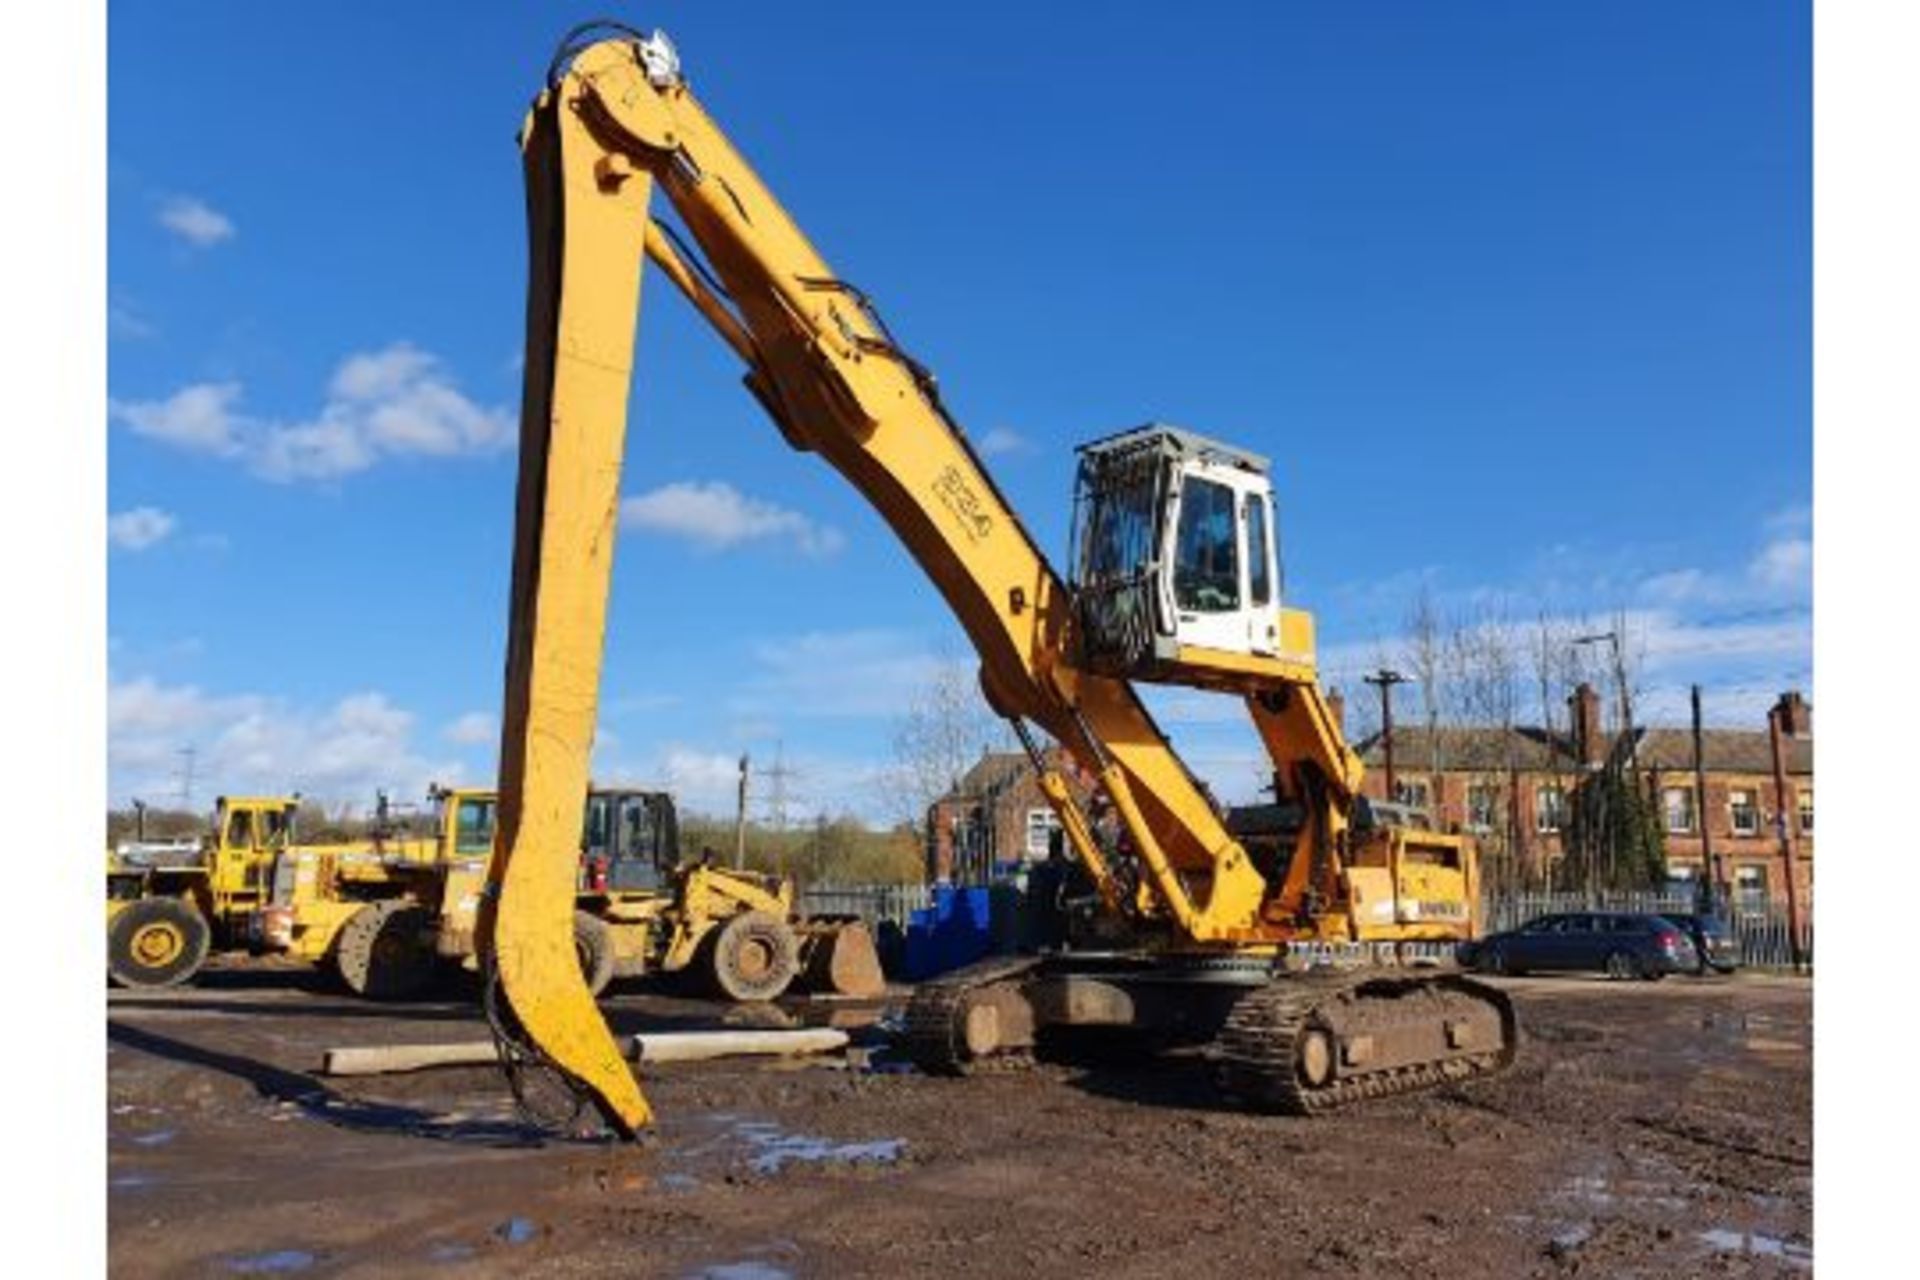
(1041, 824)
(1805, 795)
(1678, 803)
(1483, 806)
(1750, 888)
(1411, 791)
(1743, 803)
(1681, 875)
(1550, 808)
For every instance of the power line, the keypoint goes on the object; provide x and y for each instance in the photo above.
(777, 777)
(185, 775)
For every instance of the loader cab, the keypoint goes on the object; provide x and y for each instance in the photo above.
(249, 833)
(631, 841)
(474, 814)
(1174, 556)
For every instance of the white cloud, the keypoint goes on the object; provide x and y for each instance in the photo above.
(195, 221)
(838, 674)
(252, 742)
(125, 321)
(1784, 565)
(140, 528)
(394, 402)
(474, 729)
(705, 780)
(1002, 440)
(198, 418)
(715, 517)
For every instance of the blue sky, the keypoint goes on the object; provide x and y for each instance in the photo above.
(1517, 296)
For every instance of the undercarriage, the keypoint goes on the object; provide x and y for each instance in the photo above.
(1284, 1033)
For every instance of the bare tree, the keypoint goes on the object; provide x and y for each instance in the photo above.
(1481, 679)
(1425, 645)
(940, 736)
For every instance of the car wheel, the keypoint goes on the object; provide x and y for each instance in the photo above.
(1494, 961)
(1620, 966)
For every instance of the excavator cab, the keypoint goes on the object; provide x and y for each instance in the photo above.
(1173, 556)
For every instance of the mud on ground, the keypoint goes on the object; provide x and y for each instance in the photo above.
(1646, 1130)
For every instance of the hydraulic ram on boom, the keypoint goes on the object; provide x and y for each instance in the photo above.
(1175, 580)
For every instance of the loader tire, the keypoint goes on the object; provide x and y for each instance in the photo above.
(156, 942)
(593, 943)
(383, 954)
(753, 956)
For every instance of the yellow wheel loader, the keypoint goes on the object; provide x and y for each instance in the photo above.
(637, 911)
(1301, 963)
(170, 907)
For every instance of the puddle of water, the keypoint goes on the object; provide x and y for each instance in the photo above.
(1722, 1240)
(1599, 1193)
(280, 1260)
(678, 1182)
(516, 1230)
(749, 1270)
(449, 1252)
(776, 1148)
(158, 1137)
(131, 1181)
(1570, 1238)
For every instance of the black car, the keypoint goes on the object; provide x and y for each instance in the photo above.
(1712, 939)
(1620, 944)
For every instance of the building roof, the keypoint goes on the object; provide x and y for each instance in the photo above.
(1534, 750)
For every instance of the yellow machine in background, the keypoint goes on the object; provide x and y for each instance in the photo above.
(638, 910)
(361, 912)
(1296, 963)
(166, 911)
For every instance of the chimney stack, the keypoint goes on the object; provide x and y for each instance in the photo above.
(1796, 717)
(1584, 707)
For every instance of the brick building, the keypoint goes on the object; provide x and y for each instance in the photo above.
(1515, 786)
(995, 820)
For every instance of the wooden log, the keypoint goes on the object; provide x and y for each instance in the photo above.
(660, 1046)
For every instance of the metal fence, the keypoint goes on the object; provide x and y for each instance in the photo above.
(871, 902)
(1761, 928)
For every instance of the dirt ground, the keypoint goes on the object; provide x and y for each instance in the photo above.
(1646, 1130)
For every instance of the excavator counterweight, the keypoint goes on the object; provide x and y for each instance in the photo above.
(1175, 580)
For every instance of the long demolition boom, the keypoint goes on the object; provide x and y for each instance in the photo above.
(616, 121)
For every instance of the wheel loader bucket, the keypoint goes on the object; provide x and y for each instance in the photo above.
(837, 957)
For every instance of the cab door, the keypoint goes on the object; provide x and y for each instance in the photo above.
(1223, 588)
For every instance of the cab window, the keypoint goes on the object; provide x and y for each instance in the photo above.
(595, 838)
(1260, 584)
(275, 825)
(637, 842)
(1206, 571)
(240, 829)
(473, 826)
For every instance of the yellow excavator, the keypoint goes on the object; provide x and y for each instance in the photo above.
(1309, 949)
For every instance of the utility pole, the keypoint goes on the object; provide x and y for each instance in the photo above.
(1619, 684)
(1776, 735)
(1608, 834)
(1384, 680)
(740, 818)
(1710, 867)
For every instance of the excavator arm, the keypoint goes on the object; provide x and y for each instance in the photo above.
(616, 125)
